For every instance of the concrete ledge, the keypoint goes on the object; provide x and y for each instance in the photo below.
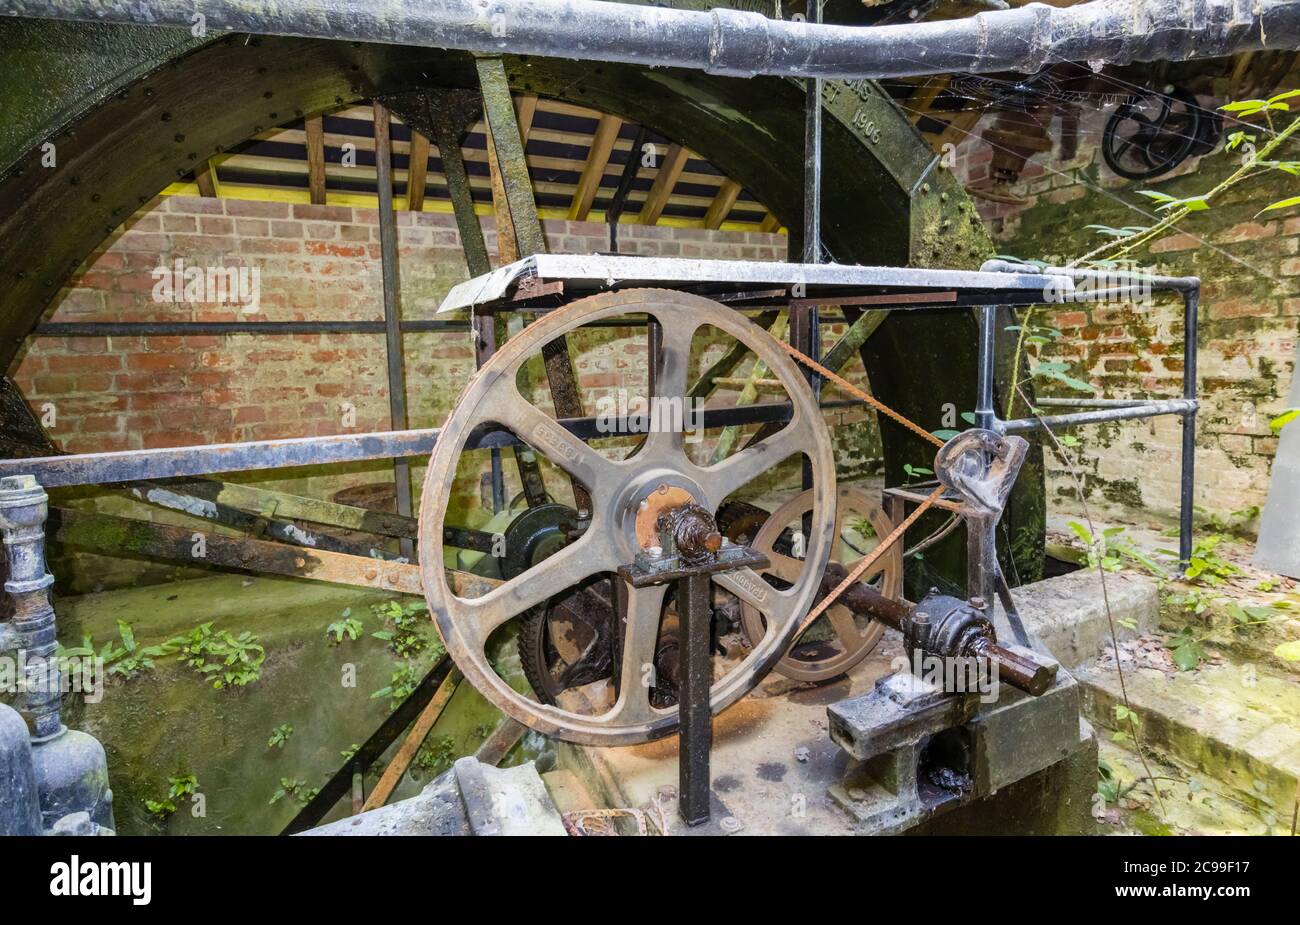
(1068, 613)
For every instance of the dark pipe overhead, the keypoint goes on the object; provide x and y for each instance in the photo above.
(731, 42)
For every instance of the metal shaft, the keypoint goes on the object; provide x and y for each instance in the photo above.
(1020, 672)
(736, 43)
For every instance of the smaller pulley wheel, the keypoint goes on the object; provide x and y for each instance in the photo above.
(839, 639)
(1152, 134)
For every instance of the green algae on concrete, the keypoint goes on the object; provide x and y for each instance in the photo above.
(170, 720)
(1236, 724)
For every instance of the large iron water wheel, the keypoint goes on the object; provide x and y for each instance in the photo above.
(617, 488)
(838, 639)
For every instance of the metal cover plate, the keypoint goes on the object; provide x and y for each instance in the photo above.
(583, 273)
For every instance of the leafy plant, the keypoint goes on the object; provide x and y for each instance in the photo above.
(403, 681)
(229, 660)
(1193, 601)
(1109, 785)
(404, 639)
(132, 659)
(916, 471)
(291, 786)
(181, 785)
(1112, 547)
(349, 626)
(1124, 715)
(1186, 650)
(1207, 566)
(280, 735)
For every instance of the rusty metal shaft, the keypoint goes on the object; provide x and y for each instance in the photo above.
(1015, 669)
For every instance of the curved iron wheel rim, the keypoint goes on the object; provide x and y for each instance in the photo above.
(465, 625)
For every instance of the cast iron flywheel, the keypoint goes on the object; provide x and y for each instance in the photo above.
(618, 488)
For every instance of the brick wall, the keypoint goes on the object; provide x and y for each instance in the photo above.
(315, 263)
(1249, 270)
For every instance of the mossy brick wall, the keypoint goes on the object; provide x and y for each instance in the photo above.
(316, 263)
(1250, 275)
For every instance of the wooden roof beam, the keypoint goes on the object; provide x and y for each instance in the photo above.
(722, 204)
(316, 160)
(670, 168)
(417, 172)
(602, 144)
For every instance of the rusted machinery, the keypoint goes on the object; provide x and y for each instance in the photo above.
(647, 588)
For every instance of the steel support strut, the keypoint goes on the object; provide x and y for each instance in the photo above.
(392, 310)
(696, 678)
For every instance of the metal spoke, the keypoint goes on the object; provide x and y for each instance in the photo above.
(636, 669)
(787, 568)
(739, 470)
(670, 399)
(545, 435)
(846, 628)
(563, 570)
(750, 587)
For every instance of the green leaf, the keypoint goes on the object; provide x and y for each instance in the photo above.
(945, 434)
(1289, 651)
(1157, 197)
(1187, 656)
(1284, 96)
(1285, 418)
(1280, 204)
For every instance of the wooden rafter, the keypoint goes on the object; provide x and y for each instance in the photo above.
(670, 168)
(722, 204)
(918, 104)
(602, 144)
(316, 160)
(770, 224)
(525, 111)
(568, 178)
(417, 172)
(206, 180)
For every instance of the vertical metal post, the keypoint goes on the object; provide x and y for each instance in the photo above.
(696, 731)
(805, 321)
(812, 158)
(985, 413)
(1187, 500)
(981, 533)
(31, 632)
(392, 312)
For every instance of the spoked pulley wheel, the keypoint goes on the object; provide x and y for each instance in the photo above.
(838, 639)
(621, 490)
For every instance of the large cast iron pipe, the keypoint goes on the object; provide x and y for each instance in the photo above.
(732, 42)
